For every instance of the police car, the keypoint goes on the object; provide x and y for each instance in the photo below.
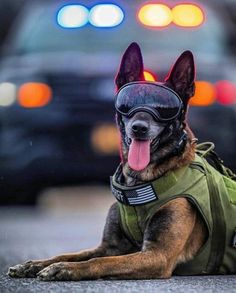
(57, 89)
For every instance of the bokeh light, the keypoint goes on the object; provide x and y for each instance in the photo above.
(187, 15)
(225, 92)
(149, 76)
(105, 139)
(204, 94)
(106, 15)
(72, 16)
(34, 94)
(7, 94)
(155, 15)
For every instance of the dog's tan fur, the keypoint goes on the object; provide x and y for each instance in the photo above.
(174, 235)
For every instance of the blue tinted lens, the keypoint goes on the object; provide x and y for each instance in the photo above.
(166, 102)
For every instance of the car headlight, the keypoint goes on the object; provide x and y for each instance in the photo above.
(7, 93)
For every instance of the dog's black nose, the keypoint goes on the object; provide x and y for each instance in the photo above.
(140, 127)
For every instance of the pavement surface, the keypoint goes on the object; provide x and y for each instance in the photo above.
(65, 221)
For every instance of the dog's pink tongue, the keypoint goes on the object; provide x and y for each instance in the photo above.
(139, 154)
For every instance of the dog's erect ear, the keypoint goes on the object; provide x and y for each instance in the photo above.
(131, 67)
(182, 75)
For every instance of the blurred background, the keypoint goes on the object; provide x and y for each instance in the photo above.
(57, 66)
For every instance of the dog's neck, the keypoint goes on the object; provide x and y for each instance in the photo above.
(155, 170)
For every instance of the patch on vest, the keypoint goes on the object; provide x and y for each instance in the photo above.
(134, 196)
(118, 194)
(141, 195)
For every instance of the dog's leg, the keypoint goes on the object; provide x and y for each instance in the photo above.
(113, 243)
(165, 242)
(140, 265)
(29, 269)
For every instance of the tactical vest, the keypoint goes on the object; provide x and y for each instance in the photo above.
(212, 193)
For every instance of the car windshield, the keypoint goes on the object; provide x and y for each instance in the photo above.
(39, 32)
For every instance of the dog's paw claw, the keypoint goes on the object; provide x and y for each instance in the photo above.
(50, 273)
(12, 271)
(28, 269)
(55, 272)
(17, 271)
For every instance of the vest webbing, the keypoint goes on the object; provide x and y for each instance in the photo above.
(214, 196)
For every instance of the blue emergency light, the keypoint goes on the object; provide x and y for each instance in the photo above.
(106, 15)
(100, 15)
(72, 16)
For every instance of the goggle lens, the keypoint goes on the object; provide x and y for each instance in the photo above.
(161, 101)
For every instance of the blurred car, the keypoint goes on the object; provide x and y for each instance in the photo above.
(56, 86)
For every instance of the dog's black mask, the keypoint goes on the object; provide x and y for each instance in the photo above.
(145, 134)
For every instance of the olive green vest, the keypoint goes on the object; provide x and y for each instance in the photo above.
(213, 194)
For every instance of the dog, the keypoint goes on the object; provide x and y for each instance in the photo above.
(148, 235)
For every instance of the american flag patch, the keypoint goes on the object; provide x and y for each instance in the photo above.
(135, 195)
(141, 195)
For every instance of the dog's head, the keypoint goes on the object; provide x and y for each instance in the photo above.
(151, 116)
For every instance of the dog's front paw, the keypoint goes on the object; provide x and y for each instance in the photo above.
(57, 272)
(28, 269)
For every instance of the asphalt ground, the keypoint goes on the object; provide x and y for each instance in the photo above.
(68, 220)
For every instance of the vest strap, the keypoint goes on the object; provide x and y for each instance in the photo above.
(219, 226)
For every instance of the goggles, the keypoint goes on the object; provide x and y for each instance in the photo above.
(161, 102)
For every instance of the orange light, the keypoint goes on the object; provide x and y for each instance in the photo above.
(105, 139)
(225, 92)
(155, 15)
(34, 95)
(149, 76)
(187, 15)
(204, 94)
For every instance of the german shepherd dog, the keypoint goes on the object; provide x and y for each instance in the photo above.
(176, 231)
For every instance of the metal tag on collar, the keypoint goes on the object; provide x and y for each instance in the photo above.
(182, 138)
(179, 146)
